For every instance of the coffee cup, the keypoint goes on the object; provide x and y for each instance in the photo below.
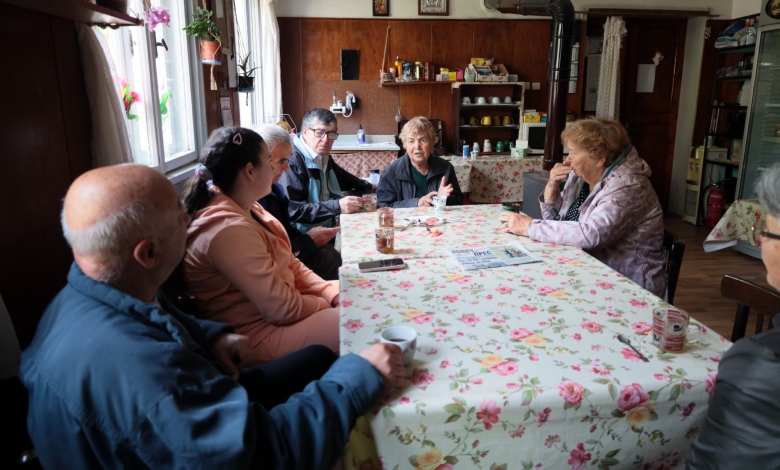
(508, 121)
(466, 100)
(481, 100)
(403, 337)
(487, 146)
(500, 146)
(495, 120)
(385, 239)
(439, 203)
(670, 329)
(473, 121)
(495, 100)
(508, 99)
(486, 121)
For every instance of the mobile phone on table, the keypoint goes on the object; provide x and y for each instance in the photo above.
(381, 265)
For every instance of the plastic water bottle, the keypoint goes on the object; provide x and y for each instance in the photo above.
(751, 33)
(361, 135)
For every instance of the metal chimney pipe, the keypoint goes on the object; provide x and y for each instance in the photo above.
(558, 72)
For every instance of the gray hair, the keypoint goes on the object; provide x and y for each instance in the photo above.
(273, 135)
(768, 190)
(111, 237)
(318, 115)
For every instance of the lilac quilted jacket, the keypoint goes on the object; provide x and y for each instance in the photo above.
(621, 223)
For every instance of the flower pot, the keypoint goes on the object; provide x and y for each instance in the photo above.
(246, 84)
(210, 52)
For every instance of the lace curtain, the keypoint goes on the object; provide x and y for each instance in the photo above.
(608, 103)
(270, 67)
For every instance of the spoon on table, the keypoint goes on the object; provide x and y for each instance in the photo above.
(622, 338)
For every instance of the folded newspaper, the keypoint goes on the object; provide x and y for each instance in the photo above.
(491, 256)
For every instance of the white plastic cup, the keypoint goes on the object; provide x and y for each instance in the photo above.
(440, 203)
(403, 337)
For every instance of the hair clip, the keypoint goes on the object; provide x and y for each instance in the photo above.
(203, 173)
(237, 138)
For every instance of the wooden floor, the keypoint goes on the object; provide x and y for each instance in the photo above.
(698, 289)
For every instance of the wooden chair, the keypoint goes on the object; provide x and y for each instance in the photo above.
(748, 295)
(674, 251)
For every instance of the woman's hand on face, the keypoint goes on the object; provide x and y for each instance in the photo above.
(444, 189)
(516, 223)
(427, 200)
(559, 173)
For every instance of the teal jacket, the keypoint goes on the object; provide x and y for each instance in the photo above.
(119, 383)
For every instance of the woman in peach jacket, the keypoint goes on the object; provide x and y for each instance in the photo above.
(238, 262)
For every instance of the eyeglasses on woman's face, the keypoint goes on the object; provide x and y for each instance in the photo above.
(320, 133)
(759, 231)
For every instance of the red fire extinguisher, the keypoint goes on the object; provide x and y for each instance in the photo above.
(715, 202)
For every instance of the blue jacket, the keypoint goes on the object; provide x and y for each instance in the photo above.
(396, 187)
(303, 183)
(115, 383)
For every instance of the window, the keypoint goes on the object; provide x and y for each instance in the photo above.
(166, 125)
(247, 23)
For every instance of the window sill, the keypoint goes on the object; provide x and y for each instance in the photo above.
(182, 173)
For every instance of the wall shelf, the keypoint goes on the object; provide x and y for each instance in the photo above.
(428, 82)
(78, 10)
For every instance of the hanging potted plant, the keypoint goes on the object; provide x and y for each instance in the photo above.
(246, 79)
(204, 28)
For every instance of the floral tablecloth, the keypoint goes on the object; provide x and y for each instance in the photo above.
(736, 225)
(519, 367)
(494, 179)
(360, 162)
(357, 232)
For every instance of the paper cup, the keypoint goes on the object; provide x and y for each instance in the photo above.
(403, 337)
(440, 203)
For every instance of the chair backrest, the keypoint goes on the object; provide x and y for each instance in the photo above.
(748, 295)
(674, 251)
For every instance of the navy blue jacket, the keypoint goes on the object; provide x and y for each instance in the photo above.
(396, 187)
(277, 204)
(119, 383)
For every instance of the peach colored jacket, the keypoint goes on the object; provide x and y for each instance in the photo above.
(246, 276)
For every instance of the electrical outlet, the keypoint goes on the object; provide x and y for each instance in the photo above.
(536, 86)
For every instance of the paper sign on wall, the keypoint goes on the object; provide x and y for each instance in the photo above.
(227, 115)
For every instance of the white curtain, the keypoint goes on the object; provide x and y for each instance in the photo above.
(271, 83)
(608, 103)
(110, 140)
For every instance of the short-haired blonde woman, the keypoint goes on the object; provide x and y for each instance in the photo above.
(413, 180)
(607, 207)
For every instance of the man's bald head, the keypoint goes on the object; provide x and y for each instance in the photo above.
(108, 210)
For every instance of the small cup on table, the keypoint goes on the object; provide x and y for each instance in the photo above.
(403, 337)
(440, 203)
(369, 202)
(670, 329)
(385, 239)
(385, 217)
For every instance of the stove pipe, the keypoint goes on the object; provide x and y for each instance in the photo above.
(558, 72)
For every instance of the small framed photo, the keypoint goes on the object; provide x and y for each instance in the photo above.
(433, 7)
(381, 7)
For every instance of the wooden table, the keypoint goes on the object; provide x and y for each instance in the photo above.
(519, 366)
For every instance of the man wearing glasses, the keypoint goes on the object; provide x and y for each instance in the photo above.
(315, 184)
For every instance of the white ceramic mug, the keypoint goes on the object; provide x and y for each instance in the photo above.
(466, 100)
(495, 100)
(403, 337)
(440, 203)
(481, 100)
(508, 99)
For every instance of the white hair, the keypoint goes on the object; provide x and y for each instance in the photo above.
(273, 135)
(768, 190)
(110, 238)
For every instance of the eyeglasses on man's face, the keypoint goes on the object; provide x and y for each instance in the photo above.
(759, 231)
(320, 133)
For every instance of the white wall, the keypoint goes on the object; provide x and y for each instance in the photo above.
(473, 9)
(745, 7)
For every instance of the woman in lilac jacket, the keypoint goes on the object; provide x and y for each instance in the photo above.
(607, 207)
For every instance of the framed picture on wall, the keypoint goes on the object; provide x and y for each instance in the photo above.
(381, 7)
(433, 7)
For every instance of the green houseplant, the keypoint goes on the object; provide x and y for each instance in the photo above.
(204, 28)
(246, 79)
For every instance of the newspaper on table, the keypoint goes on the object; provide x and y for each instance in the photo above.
(492, 256)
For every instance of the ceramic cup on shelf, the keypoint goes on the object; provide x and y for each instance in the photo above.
(500, 146)
(508, 121)
(495, 120)
(473, 121)
(495, 100)
(465, 100)
(486, 121)
(508, 100)
(487, 146)
(481, 100)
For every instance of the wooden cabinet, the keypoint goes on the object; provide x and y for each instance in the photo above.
(468, 117)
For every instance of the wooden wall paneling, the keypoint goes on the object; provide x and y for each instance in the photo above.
(411, 40)
(495, 39)
(415, 101)
(291, 66)
(368, 36)
(377, 105)
(39, 157)
(321, 44)
(532, 45)
(452, 43)
(441, 108)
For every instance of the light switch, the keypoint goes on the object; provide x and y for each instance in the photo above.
(536, 86)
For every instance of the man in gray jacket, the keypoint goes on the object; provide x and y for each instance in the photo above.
(742, 429)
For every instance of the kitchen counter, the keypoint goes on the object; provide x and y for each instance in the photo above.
(349, 143)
